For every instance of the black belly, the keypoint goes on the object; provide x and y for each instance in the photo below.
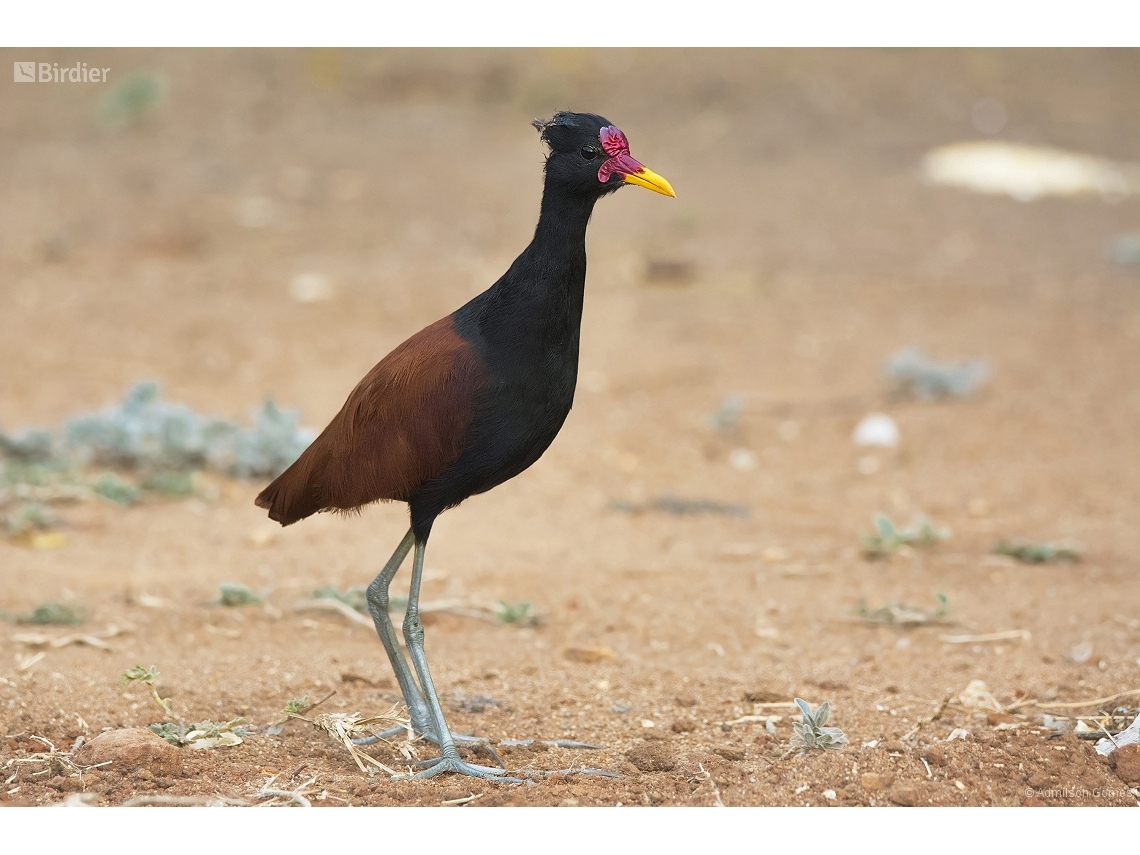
(511, 429)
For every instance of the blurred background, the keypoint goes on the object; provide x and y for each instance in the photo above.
(243, 224)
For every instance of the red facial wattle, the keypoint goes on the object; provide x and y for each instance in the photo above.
(621, 162)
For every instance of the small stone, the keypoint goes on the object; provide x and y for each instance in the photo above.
(905, 794)
(131, 749)
(682, 725)
(872, 781)
(1128, 763)
(734, 754)
(589, 654)
(876, 429)
(830, 795)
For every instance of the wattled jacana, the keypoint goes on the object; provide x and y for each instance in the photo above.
(470, 401)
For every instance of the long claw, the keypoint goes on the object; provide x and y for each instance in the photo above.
(453, 764)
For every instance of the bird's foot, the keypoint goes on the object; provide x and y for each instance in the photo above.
(436, 765)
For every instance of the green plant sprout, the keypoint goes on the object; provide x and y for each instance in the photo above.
(295, 705)
(810, 734)
(1040, 553)
(888, 537)
(515, 612)
(139, 674)
(230, 594)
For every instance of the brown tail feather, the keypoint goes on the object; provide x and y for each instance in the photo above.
(291, 497)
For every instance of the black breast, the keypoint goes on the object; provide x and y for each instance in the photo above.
(532, 365)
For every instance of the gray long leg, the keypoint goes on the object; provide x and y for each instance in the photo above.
(449, 760)
(378, 606)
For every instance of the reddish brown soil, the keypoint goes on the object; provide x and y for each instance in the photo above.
(815, 251)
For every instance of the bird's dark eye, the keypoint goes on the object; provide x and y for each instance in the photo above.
(589, 152)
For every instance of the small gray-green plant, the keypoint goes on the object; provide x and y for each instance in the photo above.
(294, 706)
(508, 612)
(131, 98)
(230, 594)
(916, 375)
(29, 516)
(170, 483)
(115, 489)
(888, 537)
(897, 614)
(1039, 553)
(356, 598)
(68, 614)
(811, 734)
(203, 734)
(139, 674)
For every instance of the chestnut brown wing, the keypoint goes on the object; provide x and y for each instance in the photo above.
(402, 425)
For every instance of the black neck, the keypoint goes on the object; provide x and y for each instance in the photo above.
(552, 269)
(562, 221)
(537, 304)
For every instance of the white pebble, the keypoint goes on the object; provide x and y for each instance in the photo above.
(310, 288)
(742, 460)
(876, 429)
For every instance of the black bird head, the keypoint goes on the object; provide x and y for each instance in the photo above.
(588, 154)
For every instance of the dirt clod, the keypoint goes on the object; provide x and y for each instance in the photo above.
(935, 755)
(131, 749)
(765, 696)
(906, 794)
(652, 757)
(872, 781)
(1128, 763)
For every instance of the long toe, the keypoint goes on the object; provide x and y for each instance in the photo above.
(454, 764)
